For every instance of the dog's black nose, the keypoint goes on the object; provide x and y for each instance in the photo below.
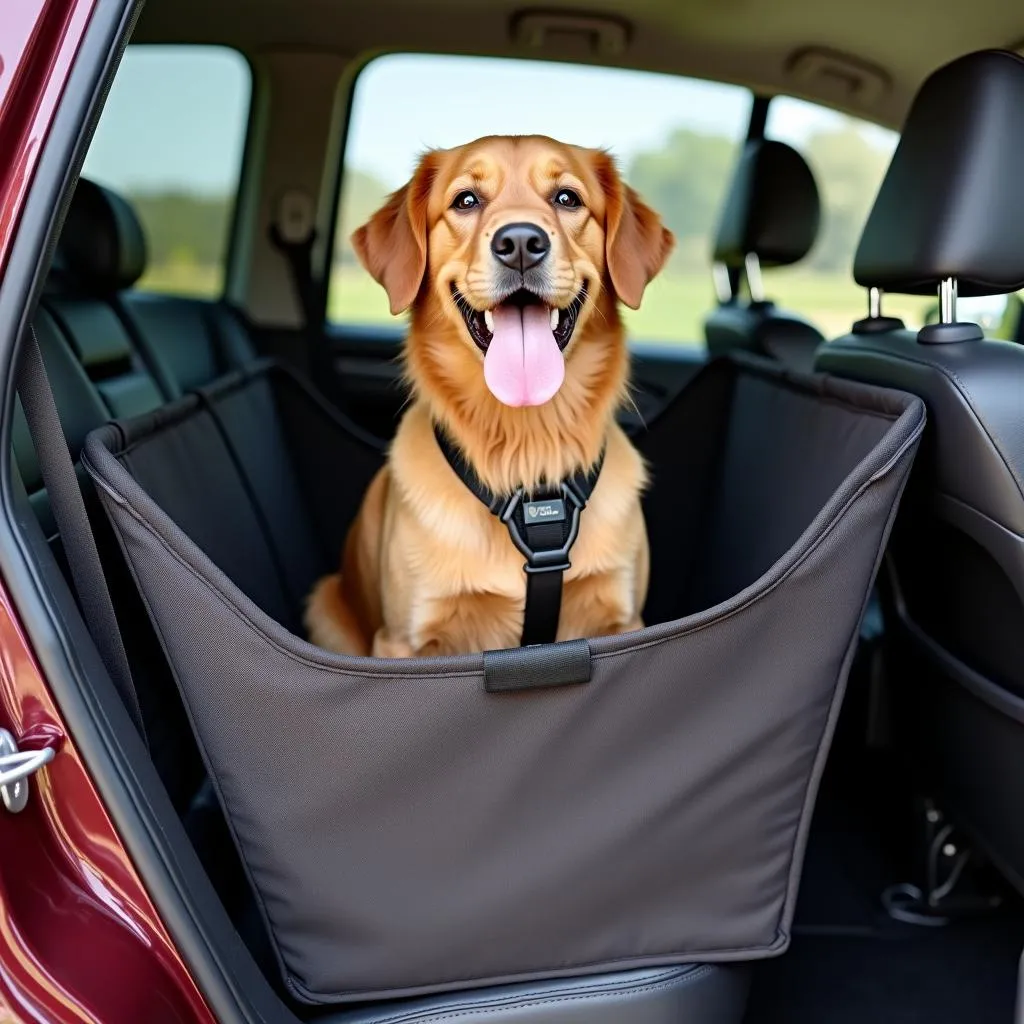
(520, 246)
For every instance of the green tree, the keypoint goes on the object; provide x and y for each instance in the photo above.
(685, 181)
(848, 169)
(183, 227)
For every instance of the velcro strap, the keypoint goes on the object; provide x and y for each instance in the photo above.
(527, 668)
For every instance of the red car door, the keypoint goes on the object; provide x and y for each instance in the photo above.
(80, 940)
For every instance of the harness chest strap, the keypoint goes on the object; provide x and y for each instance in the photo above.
(543, 526)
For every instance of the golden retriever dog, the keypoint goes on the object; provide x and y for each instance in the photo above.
(512, 254)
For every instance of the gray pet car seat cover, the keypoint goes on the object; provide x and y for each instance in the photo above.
(407, 831)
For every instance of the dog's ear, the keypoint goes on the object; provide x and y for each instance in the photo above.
(392, 244)
(637, 244)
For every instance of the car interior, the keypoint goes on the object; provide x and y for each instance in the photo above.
(208, 234)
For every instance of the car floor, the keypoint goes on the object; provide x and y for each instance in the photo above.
(849, 961)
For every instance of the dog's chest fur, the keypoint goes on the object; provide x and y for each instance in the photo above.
(455, 576)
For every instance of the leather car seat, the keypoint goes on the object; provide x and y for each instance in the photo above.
(950, 218)
(770, 219)
(676, 995)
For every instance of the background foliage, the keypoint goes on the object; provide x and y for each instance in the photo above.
(684, 179)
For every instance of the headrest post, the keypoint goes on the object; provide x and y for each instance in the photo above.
(752, 266)
(874, 322)
(723, 282)
(948, 330)
(947, 300)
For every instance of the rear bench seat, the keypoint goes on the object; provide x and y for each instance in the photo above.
(100, 342)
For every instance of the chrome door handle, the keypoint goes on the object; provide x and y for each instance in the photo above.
(16, 766)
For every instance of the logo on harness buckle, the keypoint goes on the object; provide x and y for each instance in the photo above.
(544, 511)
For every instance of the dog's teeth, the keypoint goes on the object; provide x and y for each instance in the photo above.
(554, 319)
(489, 320)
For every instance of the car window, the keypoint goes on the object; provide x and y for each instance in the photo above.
(170, 140)
(849, 158)
(676, 140)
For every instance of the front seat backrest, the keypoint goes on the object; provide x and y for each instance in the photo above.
(950, 217)
(770, 219)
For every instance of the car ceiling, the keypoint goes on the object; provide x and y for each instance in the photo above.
(752, 42)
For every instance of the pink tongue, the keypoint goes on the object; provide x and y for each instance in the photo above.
(523, 365)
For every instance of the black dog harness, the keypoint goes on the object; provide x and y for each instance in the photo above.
(543, 526)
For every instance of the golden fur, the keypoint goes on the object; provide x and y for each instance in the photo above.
(426, 569)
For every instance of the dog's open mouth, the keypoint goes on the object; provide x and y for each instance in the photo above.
(480, 323)
(522, 339)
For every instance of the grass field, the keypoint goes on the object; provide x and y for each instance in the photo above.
(673, 309)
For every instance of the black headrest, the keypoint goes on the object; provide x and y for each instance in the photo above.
(951, 204)
(772, 208)
(102, 244)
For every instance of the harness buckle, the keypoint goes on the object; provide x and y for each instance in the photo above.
(551, 509)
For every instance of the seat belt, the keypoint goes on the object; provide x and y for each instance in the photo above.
(543, 526)
(68, 506)
(293, 234)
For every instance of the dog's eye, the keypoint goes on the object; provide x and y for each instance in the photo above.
(466, 201)
(567, 198)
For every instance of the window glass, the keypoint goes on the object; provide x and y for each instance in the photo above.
(676, 141)
(849, 158)
(170, 140)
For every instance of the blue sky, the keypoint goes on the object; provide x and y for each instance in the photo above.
(176, 116)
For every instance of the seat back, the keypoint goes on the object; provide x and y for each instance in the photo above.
(770, 219)
(950, 214)
(101, 250)
(181, 343)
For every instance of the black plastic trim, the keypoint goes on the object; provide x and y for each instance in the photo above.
(758, 118)
(347, 81)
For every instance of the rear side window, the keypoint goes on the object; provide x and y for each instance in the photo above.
(676, 141)
(849, 158)
(170, 140)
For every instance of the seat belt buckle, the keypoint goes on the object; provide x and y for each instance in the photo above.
(555, 509)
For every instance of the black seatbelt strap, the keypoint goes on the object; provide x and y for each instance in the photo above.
(293, 234)
(76, 534)
(543, 596)
(543, 526)
(299, 257)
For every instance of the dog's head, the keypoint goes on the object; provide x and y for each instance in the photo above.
(512, 252)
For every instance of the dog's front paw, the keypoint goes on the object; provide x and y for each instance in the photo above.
(387, 646)
(628, 627)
